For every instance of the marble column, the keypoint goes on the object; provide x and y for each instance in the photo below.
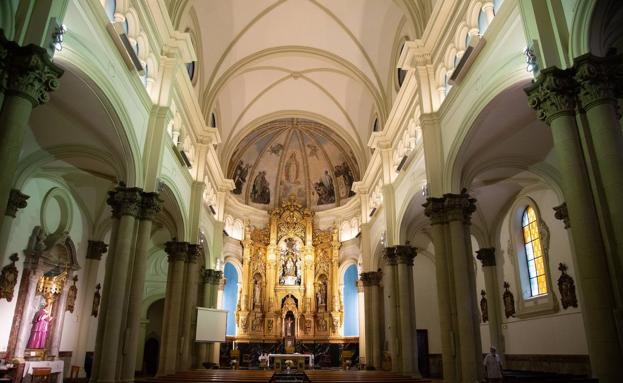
(191, 280)
(126, 205)
(435, 210)
(17, 200)
(140, 350)
(173, 304)
(390, 298)
(95, 250)
(599, 84)
(149, 208)
(406, 309)
(30, 75)
(486, 255)
(459, 208)
(219, 285)
(372, 330)
(361, 307)
(553, 96)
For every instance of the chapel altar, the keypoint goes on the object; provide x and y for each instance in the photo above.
(290, 286)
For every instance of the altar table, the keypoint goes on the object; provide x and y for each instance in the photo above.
(55, 365)
(293, 357)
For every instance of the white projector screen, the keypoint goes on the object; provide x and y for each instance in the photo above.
(211, 325)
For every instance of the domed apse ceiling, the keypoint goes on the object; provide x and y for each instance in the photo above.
(293, 157)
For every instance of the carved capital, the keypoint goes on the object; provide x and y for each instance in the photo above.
(176, 250)
(124, 201)
(31, 74)
(459, 207)
(390, 256)
(213, 277)
(434, 208)
(595, 81)
(553, 95)
(561, 214)
(405, 254)
(5, 50)
(486, 255)
(151, 204)
(371, 278)
(194, 251)
(17, 200)
(95, 249)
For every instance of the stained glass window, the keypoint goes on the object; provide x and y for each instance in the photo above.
(534, 252)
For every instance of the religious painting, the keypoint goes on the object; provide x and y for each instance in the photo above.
(260, 193)
(292, 177)
(8, 279)
(324, 189)
(566, 286)
(240, 176)
(345, 180)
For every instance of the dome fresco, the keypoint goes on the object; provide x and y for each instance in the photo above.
(293, 157)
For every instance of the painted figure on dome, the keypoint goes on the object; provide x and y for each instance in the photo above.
(40, 325)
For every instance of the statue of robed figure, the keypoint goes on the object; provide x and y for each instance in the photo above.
(40, 325)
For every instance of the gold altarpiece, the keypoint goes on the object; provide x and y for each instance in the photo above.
(290, 280)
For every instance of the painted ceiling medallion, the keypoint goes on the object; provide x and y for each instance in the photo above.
(293, 157)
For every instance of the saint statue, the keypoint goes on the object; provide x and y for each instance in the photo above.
(257, 292)
(40, 324)
(289, 326)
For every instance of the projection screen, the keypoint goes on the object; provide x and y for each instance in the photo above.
(211, 325)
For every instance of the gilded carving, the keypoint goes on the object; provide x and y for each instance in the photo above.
(8, 279)
(71, 295)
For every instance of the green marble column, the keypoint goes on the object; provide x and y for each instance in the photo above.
(486, 256)
(372, 330)
(406, 310)
(191, 280)
(553, 96)
(390, 288)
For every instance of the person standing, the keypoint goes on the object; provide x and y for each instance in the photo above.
(493, 366)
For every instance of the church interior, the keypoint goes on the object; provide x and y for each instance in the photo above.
(366, 190)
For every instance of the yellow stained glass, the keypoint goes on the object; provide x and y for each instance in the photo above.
(542, 284)
(536, 247)
(526, 235)
(531, 214)
(540, 267)
(534, 230)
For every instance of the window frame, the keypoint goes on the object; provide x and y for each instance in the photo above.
(527, 304)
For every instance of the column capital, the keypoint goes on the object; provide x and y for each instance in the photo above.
(30, 73)
(371, 278)
(194, 251)
(562, 214)
(596, 78)
(176, 250)
(151, 204)
(211, 276)
(405, 254)
(553, 95)
(435, 210)
(459, 207)
(486, 255)
(125, 201)
(95, 249)
(390, 256)
(17, 200)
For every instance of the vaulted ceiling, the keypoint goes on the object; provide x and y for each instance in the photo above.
(332, 61)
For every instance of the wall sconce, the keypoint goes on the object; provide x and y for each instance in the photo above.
(57, 37)
(532, 64)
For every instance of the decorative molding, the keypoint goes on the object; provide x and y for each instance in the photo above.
(17, 200)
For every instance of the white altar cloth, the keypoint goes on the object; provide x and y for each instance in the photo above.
(55, 365)
(309, 356)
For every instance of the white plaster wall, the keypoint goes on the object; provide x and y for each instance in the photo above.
(426, 303)
(558, 333)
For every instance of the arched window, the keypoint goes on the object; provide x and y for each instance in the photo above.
(213, 120)
(190, 67)
(351, 304)
(110, 6)
(230, 297)
(400, 73)
(482, 22)
(534, 252)
(375, 126)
